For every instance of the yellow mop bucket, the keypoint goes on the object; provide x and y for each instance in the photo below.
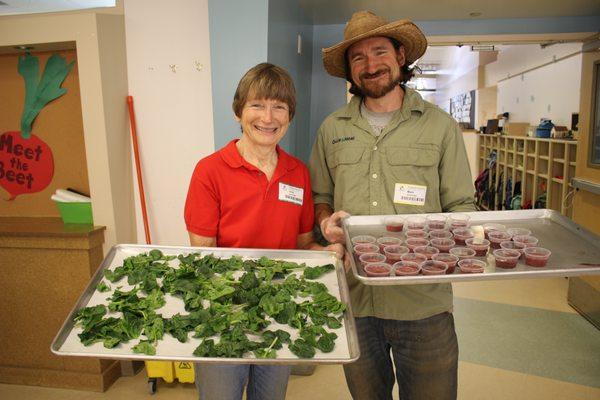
(168, 371)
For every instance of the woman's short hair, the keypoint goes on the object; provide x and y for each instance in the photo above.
(265, 81)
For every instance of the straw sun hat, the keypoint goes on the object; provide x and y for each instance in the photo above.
(365, 24)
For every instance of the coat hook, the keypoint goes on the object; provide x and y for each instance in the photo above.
(173, 68)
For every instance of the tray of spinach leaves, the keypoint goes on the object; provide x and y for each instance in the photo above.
(213, 305)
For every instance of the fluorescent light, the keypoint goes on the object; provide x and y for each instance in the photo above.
(483, 47)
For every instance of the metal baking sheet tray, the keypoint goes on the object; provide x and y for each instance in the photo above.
(67, 343)
(575, 250)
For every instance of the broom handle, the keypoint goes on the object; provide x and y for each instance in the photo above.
(138, 168)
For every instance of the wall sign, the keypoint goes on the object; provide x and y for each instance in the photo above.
(462, 108)
(26, 161)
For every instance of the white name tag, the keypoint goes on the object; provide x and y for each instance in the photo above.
(291, 194)
(413, 195)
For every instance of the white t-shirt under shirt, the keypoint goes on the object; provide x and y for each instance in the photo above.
(378, 121)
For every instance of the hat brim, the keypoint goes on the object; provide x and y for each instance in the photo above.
(404, 31)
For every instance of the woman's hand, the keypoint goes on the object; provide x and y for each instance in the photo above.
(341, 254)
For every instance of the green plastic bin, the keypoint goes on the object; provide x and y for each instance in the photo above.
(75, 213)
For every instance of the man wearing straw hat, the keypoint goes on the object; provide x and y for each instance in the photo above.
(390, 152)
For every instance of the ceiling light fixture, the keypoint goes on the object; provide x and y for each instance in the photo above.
(483, 47)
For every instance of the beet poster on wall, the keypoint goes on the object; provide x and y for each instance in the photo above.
(26, 161)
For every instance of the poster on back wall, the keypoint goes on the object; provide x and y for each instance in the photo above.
(462, 109)
(26, 161)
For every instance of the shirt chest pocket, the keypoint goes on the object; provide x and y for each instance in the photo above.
(345, 160)
(413, 165)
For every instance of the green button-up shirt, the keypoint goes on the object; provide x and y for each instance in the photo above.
(356, 171)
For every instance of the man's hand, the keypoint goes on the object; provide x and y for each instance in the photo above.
(331, 227)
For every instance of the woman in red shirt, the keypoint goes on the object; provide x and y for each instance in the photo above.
(252, 194)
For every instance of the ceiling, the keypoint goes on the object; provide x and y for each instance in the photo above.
(13, 7)
(339, 11)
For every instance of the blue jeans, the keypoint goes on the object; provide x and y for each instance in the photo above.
(425, 354)
(227, 382)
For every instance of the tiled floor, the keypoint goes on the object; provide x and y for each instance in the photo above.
(518, 340)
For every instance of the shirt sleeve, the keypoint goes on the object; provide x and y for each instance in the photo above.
(201, 211)
(456, 184)
(307, 217)
(322, 182)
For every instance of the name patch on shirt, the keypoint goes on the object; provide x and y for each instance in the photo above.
(413, 195)
(342, 139)
(291, 194)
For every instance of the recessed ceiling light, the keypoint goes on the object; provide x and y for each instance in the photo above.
(475, 14)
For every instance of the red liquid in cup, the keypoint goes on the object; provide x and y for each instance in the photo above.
(394, 227)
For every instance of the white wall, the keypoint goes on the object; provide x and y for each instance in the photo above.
(173, 109)
(457, 74)
(551, 91)
(515, 59)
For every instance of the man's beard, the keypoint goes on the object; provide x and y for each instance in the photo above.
(377, 90)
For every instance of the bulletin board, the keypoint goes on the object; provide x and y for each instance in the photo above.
(462, 109)
(59, 124)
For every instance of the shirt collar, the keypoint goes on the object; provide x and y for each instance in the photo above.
(232, 157)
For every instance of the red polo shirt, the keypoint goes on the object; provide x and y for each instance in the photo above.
(232, 200)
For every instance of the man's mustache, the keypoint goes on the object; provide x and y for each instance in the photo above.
(366, 75)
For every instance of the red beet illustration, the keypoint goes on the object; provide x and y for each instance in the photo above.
(26, 161)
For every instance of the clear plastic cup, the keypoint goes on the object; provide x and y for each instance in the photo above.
(394, 223)
(432, 267)
(427, 251)
(449, 259)
(481, 246)
(536, 256)
(363, 239)
(471, 266)
(440, 234)
(518, 231)
(388, 241)
(497, 237)
(416, 222)
(506, 259)
(462, 252)
(527, 240)
(412, 257)
(443, 245)
(458, 220)
(492, 226)
(462, 234)
(361, 249)
(378, 269)
(411, 243)
(368, 258)
(416, 233)
(436, 221)
(393, 253)
(406, 268)
(510, 245)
